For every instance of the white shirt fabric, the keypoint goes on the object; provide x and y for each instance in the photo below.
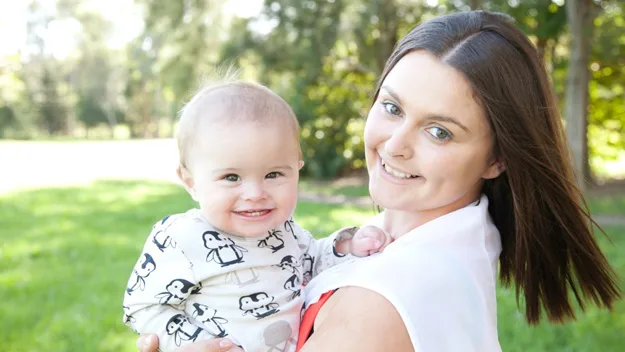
(440, 277)
(194, 282)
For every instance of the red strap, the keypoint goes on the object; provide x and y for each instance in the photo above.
(308, 320)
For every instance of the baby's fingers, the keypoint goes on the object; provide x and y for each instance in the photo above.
(365, 246)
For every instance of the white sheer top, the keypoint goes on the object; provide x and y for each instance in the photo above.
(440, 277)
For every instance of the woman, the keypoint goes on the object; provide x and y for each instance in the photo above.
(467, 155)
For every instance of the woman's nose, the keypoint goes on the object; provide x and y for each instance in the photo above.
(399, 144)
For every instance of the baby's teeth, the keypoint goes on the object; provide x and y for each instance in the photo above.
(254, 213)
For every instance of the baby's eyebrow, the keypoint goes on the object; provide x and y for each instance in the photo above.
(283, 167)
(229, 169)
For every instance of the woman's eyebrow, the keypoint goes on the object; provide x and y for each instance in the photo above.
(449, 120)
(392, 94)
(433, 117)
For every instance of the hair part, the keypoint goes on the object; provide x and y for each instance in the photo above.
(226, 99)
(548, 246)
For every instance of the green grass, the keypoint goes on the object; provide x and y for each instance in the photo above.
(355, 189)
(66, 254)
(613, 205)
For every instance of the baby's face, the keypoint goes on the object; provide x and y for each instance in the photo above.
(244, 175)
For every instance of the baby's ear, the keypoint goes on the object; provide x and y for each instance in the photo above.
(300, 164)
(187, 181)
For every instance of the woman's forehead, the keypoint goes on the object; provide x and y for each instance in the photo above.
(425, 85)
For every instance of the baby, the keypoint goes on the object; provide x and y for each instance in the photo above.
(236, 266)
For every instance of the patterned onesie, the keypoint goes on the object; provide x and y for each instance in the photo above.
(194, 282)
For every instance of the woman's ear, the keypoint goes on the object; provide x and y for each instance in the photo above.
(187, 181)
(495, 169)
(300, 164)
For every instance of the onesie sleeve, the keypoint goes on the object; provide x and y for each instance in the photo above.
(319, 254)
(157, 292)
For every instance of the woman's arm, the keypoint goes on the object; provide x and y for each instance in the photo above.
(358, 319)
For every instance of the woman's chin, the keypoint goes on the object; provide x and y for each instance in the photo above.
(384, 200)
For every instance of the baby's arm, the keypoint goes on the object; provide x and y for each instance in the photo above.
(158, 288)
(320, 254)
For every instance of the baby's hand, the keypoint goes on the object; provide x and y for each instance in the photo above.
(149, 343)
(368, 240)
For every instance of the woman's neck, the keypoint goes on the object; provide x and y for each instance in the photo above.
(398, 223)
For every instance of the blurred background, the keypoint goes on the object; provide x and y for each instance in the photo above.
(89, 95)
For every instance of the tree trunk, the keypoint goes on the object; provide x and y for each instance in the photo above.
(579, 14)
(388, 27)
(476, 4)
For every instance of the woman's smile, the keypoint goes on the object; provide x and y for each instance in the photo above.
(395, 175)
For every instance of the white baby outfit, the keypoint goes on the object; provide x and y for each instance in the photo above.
(194, 282)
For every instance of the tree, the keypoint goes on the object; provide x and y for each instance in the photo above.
(606, 113)
(580, 18)
(51, 109)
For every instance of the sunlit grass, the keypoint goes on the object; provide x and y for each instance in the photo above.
(353, 189)
(608, 205)
(66, 254)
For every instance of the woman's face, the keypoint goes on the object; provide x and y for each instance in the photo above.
(428, 144)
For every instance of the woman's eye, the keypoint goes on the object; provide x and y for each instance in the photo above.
(274, 174)
(391, 108)
(232, 178)
(439, 133)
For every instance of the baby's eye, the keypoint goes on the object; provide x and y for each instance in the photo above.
(391, 108)
(232, 177)
(274, 174)
(439, 133)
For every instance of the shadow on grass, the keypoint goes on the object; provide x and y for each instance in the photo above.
(66, 255)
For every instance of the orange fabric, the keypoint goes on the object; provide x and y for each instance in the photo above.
(308, 320)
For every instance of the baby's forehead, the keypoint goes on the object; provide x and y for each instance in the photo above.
(239, 103)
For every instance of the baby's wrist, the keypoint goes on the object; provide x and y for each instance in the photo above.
(343, 241)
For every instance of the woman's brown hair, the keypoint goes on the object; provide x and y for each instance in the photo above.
(548, 245)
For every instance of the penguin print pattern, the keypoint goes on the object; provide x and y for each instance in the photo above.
(177, 291)
(288, 227)
(128, 318)
(162, 240)
(197, 289)
(258, 304)
(293, 284)
(222, 249)
(274, 241)
(143, 269)
(208, 317)
(289, 263)
(182, 330)
(308, 262)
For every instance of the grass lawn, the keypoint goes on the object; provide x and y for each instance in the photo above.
(66, 255)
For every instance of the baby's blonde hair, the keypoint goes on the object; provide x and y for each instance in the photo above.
(231, 100)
